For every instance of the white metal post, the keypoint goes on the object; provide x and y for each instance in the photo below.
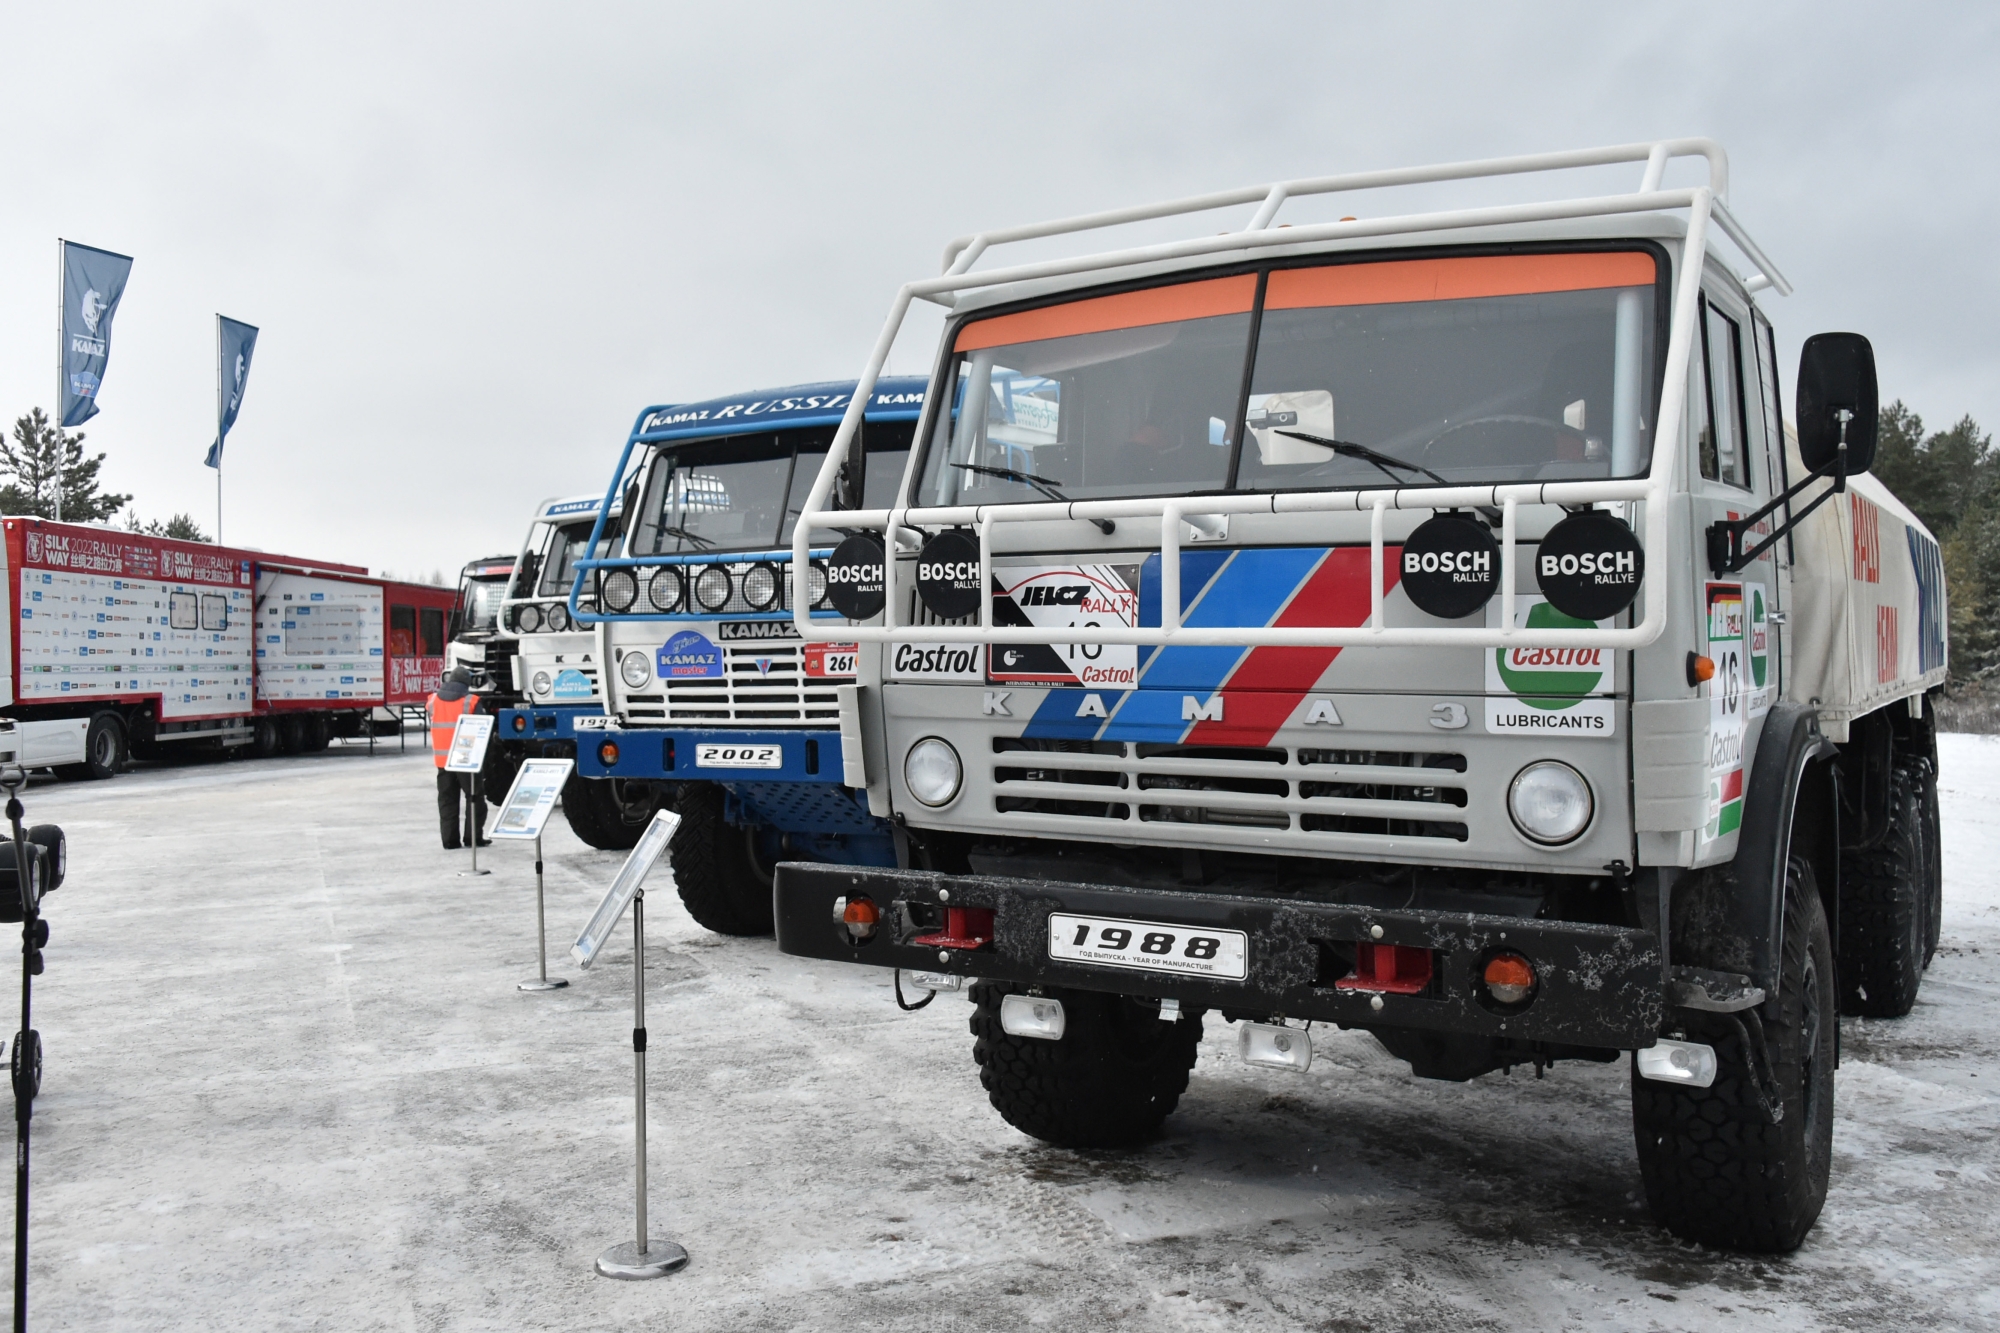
(644, 1257)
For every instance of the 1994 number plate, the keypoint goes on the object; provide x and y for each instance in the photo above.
(739, 756)
(1150, 946)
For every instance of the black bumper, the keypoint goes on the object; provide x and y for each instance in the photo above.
(1600, 986)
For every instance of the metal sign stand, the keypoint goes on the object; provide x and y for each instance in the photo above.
(541, 981)
(637, 1260)
(474, 813)
(28, 1043)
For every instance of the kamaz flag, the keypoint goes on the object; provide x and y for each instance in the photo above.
(92, 282)
(234, 343)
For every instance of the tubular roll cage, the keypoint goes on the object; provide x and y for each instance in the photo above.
(1704, 205)
(587, 568)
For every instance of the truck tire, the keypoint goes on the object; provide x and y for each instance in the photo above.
(724, 884)
(596, 817)
(1117, 1073)
(1927, 802)
(1717, 1168)
(266, 740)
(1883, 902)
(291, 733)
(317, 732)
(105, 751)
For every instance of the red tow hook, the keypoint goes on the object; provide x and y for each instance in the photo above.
(964, 928)
(1390, 969)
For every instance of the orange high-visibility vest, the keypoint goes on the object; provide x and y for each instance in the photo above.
(444, 715)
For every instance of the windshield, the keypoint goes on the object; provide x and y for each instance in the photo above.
(1465, 369)
(744, 493)
(479, 603)
(565, 548)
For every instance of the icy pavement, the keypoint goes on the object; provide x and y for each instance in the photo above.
(290, 1085)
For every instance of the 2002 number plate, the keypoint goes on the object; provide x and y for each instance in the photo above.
(739, 756)
(1150, 946)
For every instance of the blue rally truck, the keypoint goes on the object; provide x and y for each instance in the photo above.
(711, 699)
(556, 687)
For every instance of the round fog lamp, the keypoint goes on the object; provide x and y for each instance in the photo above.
(816, 584)
(712, 587)
(558, 617)
(665, 590)
(760, 586)
(931, 769)
(540, 684)
(1550, 802)
(620, 590)
(634, 671)
(528, 619)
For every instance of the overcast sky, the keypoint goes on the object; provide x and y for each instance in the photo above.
(479, 238)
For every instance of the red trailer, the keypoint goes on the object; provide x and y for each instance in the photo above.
(124, 644)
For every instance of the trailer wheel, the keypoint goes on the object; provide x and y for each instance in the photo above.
(1884, 897)
(723, 881)
(266, 740)
(1117, 1073)
(1717, 1167)
(291, 733)
(315, 733)
(105, 750)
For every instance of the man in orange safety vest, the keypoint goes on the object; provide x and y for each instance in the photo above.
(453, 700)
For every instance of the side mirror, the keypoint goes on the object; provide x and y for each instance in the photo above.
(1836, 376)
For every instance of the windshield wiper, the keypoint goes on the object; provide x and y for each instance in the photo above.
(1042, 484)
(693, 538)
(1366, 455)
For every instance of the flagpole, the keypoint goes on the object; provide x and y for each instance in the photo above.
(62, 352)
(220, 400)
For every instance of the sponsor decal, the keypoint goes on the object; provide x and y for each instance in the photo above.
(1888, 647)
(1727, 708)
(948, 574)
(1451, 566)
(1929, 567)
(937, 661)
(1554, 690)
(1589, 566)
(831, 661)
(688, 656)
(1761, 685)
(1867, 522)
(854, 577)
(1065, 597)
(571, 684)
(755, 631)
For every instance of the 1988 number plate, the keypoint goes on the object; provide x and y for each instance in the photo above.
(1150, 946)
(739, 756)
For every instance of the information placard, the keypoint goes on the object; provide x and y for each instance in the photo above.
(630, 876)
(468, 743)
(530, 799)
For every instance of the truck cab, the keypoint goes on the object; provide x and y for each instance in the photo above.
(556, 681)
(1424, 625)
(479, 642)
(711, 697)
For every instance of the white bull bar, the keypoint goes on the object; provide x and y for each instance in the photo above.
(1703, 204)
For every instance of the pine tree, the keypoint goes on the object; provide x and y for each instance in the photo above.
(47, 469)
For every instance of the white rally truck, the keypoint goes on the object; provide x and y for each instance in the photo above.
(1419, 624)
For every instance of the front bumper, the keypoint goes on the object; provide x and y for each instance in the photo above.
(673, 754)
(544, 723)
(1602, 986)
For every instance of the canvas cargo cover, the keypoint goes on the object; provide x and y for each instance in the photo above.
(1868, 602)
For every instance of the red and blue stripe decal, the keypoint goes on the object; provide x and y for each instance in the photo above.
(1260, 687)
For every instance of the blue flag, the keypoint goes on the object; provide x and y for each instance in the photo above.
(92, 282)
(234, 342)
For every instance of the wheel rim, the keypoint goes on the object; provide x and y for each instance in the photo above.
(107, 748)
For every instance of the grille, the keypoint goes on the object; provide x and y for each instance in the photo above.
(777, 691)
(1389, 794)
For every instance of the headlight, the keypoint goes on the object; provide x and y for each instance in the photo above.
(760, 586)
(712, 587)
(1550, 802)
(557, 617)
(528, 619)
(634, 671)
(620, 590)
(816, 584)
(540, 684)
(931, 768)
(665, 590)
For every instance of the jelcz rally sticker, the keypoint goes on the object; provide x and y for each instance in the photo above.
(1066, 597)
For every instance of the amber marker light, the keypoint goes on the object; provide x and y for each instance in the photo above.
(1509, 978)
(607, 754)
(860, 917)
(1700, 668)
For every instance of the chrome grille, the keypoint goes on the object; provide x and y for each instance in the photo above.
(1391, 794)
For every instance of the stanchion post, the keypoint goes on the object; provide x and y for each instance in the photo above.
(541, 981)
(644, 1257)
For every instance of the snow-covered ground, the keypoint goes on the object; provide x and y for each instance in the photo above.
(291, 1085)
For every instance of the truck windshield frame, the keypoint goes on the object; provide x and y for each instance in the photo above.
(1477, 364)
(479, 603)
(730, 494)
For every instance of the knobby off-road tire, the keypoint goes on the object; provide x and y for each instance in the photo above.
(1717, 1169)
(1116, 1074)
(1927, 803)
(596, 817)
(723, 882)
(1884, 900)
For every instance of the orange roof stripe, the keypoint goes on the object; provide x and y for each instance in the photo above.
(1392, 281)
(1127, 310)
